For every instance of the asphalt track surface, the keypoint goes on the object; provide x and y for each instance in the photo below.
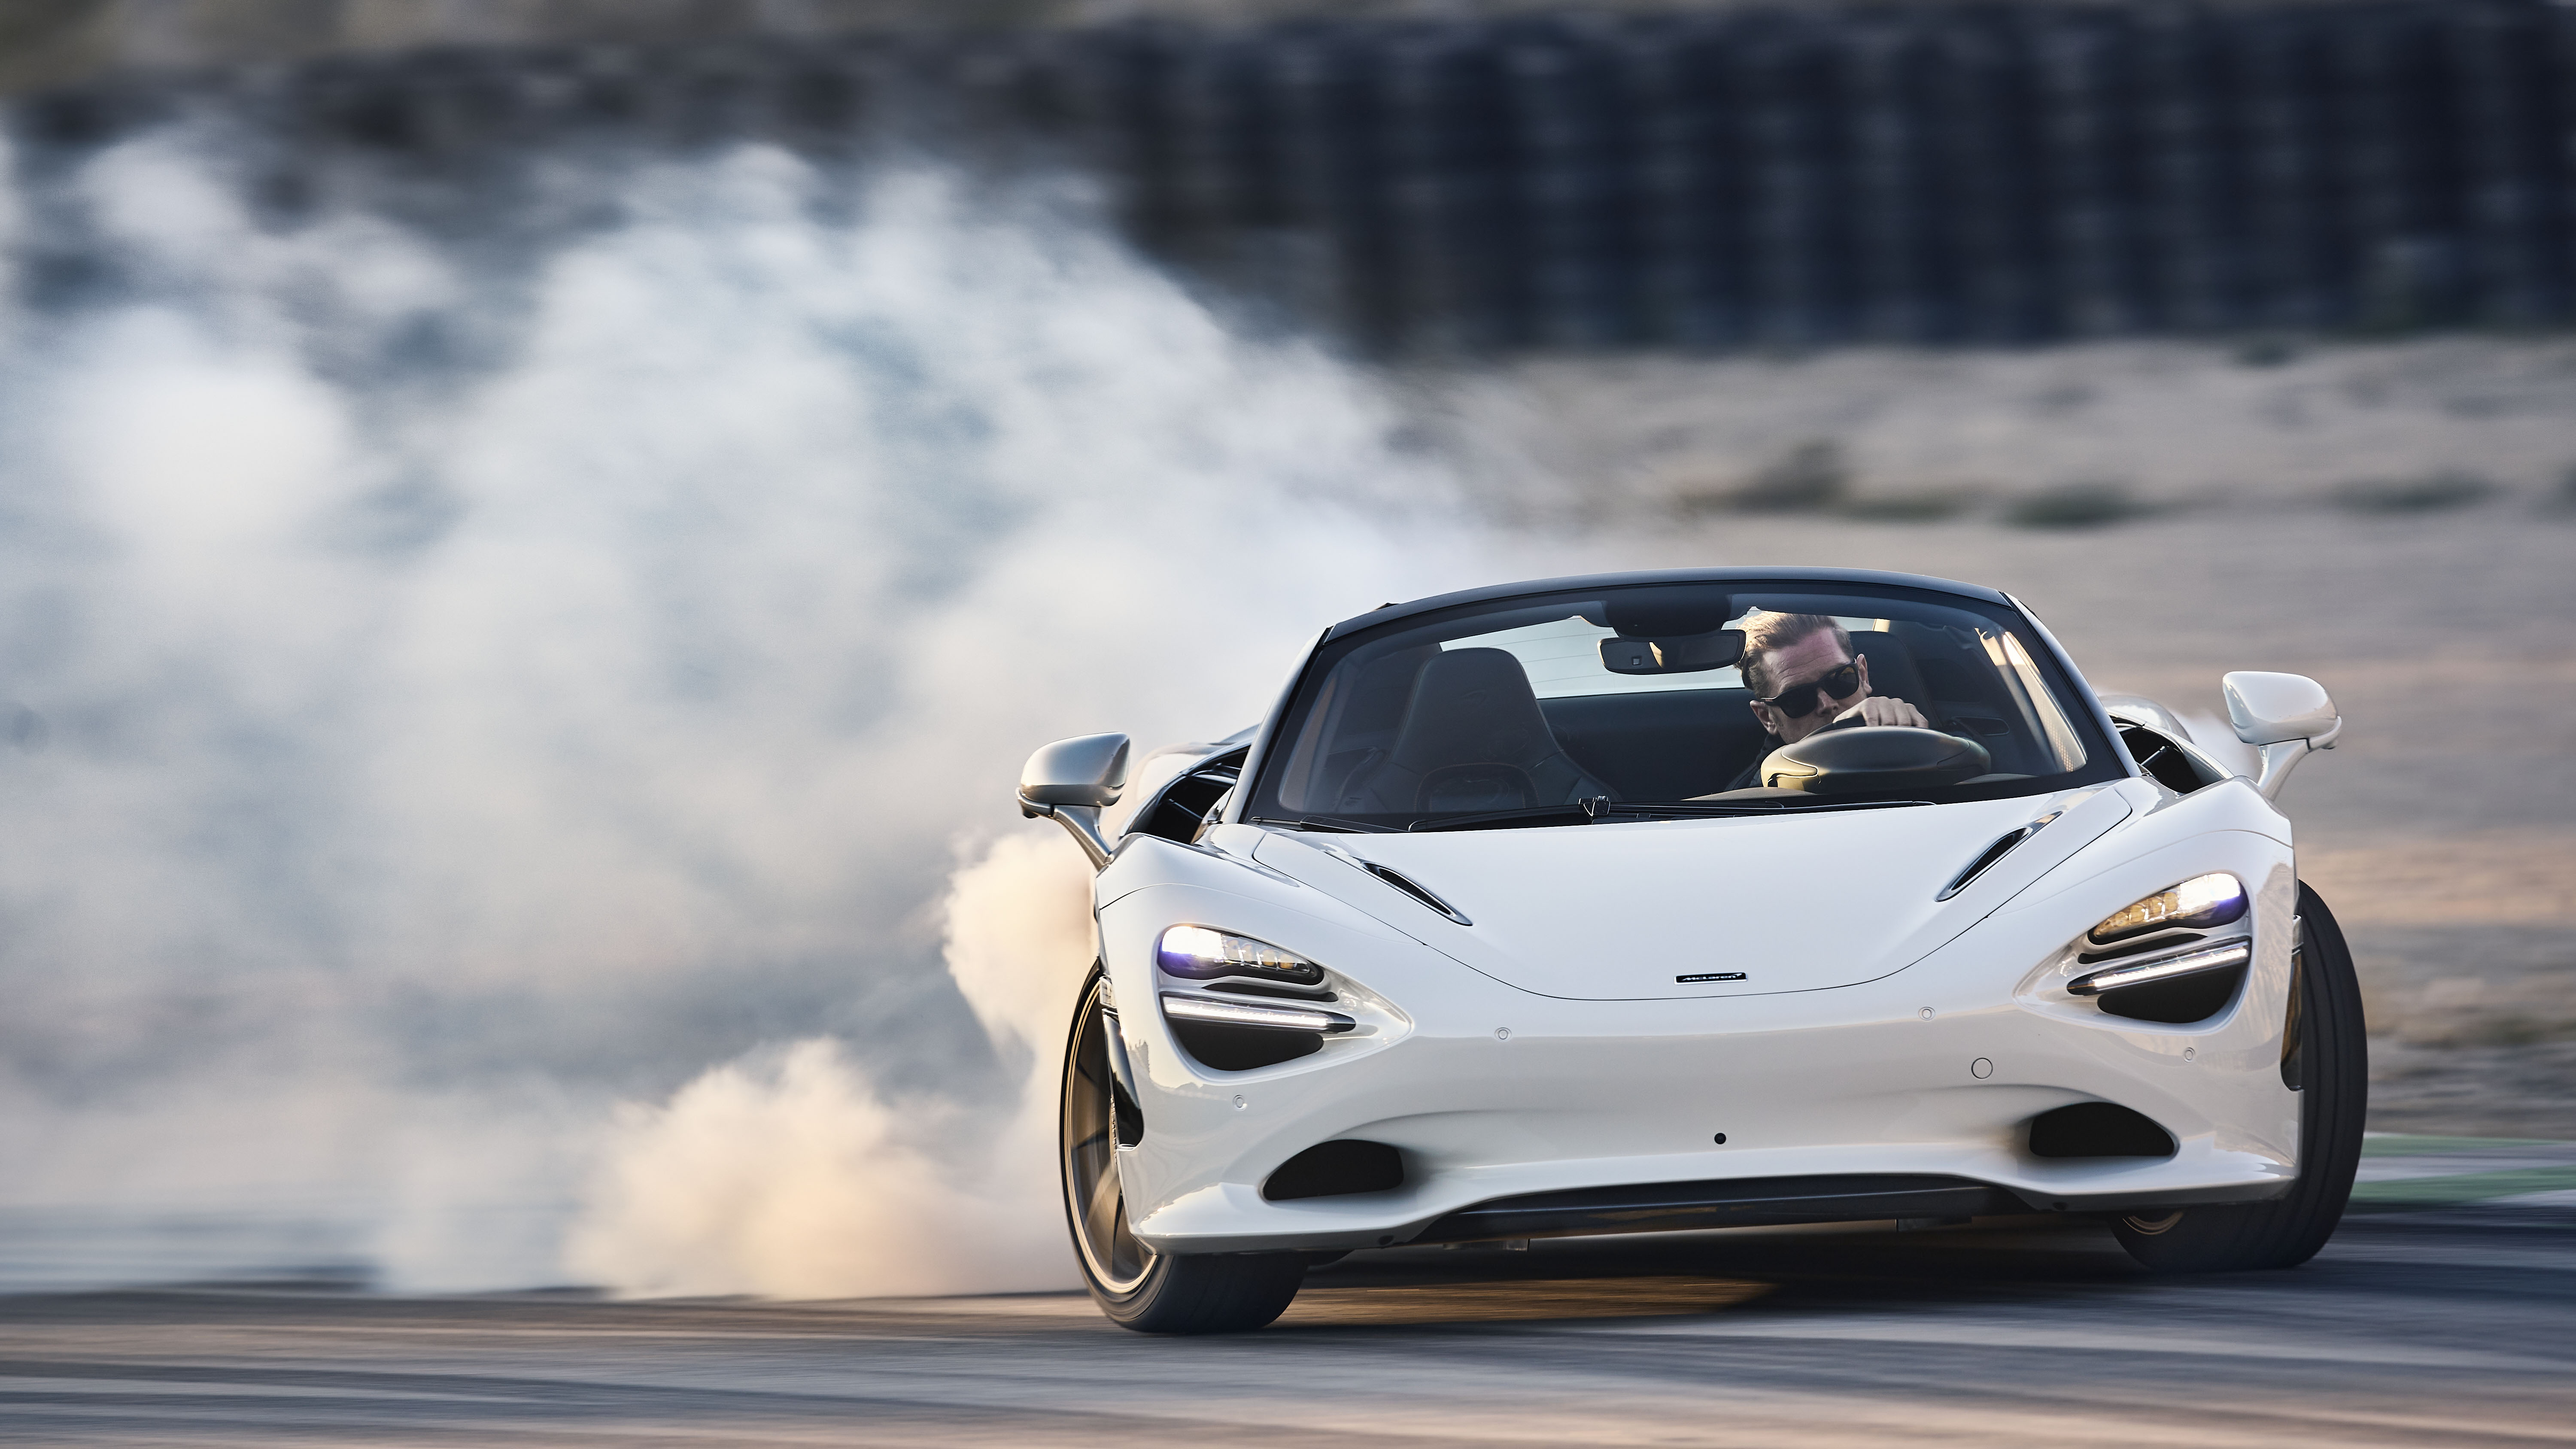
(2454, 1325)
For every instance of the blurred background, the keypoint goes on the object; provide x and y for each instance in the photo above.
(1464, 178)
(534, 536)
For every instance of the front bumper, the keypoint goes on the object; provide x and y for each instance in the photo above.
(1832, 1103)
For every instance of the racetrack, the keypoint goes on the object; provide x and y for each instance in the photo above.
(2455, 1325)
(2444, 1312)
(270, 1047)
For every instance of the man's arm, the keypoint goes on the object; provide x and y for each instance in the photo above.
(1877, 711)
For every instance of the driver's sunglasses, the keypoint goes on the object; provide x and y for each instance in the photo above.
(1799, 701)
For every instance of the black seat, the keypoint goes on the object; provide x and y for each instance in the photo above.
(1472, 739)
(1892, 674)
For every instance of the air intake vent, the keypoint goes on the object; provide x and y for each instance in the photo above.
(2178, 1002)
(2098, 1129)
(1242, 1048)
(1336, 1169)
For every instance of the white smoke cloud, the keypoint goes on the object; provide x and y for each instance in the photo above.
(796, 1175)
(437, 753)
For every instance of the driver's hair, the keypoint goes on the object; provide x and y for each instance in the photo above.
(1766, 631)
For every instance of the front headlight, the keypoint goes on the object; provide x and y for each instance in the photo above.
(2200, 902)
(1202, 952)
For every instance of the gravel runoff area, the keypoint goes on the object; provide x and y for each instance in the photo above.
(2396, 520)
(2065, 435)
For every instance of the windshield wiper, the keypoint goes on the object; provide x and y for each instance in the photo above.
(1330, 823)
(1587, 811)
(1581, 814)
(1751, 807)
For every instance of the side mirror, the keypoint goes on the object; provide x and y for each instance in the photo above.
(2282, 715)
(1070, 781)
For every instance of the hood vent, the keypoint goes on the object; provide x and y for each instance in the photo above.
(1398, 880)
(2002, 847)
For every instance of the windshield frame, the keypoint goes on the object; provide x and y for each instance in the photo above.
(2105, 759)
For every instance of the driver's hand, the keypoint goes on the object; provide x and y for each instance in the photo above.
(1877, 711)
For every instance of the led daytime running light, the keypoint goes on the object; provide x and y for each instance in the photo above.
(1201, 952)
(2162, 968)
(1265, 1018)
(2200, 902)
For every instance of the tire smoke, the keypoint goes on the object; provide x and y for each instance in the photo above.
(795, 1176)
(490, 728)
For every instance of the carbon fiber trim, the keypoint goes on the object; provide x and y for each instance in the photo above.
(1667, 1207)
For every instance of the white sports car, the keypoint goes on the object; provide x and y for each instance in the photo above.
(1669, 901)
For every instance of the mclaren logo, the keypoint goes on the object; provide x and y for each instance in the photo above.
(1712, 976)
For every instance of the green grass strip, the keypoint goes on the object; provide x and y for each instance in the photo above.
(2467, 1187)
(2400, 1144)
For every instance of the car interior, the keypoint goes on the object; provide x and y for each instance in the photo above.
(1430, 729)
(1472, 736)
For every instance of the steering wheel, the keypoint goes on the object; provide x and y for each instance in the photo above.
(1876, 759)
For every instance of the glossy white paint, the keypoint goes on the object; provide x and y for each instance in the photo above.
(1619, 911)
(1085, 770)
(2285, 716)
(2268, 709)
(2139, 710)
(1537, 1050)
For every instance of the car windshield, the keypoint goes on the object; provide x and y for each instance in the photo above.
(1675, 699)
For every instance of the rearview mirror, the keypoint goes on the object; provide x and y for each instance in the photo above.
(1070, 781)
(2282, 715)
(1688, 654)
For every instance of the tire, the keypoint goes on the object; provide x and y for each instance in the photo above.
(2330, 1062)
(1134, 1285)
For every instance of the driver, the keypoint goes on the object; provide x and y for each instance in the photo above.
(1805, 678)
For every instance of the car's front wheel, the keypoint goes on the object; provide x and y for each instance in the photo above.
(2327, 1059)
(1136, 1286)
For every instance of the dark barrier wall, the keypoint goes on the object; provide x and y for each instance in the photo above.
(1793, 177)
(1990, 173)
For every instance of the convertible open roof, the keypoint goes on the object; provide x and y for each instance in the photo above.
(1771, 577)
